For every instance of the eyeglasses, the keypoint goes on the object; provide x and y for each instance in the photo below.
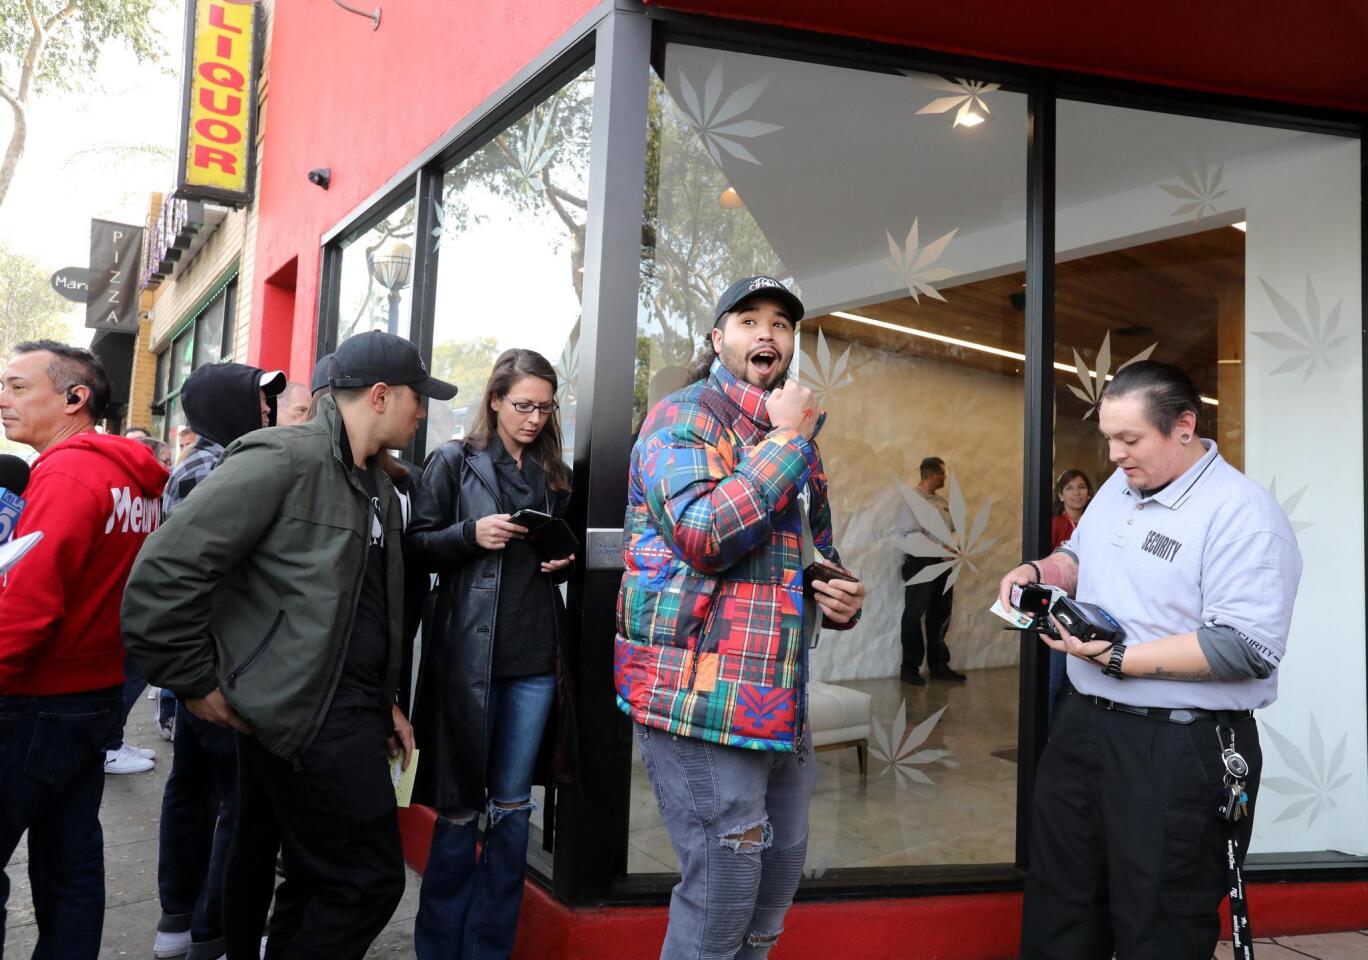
(527, 406)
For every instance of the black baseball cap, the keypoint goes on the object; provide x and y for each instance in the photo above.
(379, 357)
(319, 380)
(748, 287)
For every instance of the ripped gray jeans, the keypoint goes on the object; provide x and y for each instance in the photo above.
(738, 821)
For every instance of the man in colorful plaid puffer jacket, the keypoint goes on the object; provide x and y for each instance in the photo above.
(727, 507)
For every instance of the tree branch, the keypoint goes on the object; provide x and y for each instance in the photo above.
(58, 17)
(33, 16)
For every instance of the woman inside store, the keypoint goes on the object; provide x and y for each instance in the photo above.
(1072, 491)
(491, 696)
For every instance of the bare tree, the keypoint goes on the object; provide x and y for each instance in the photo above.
(57, 45)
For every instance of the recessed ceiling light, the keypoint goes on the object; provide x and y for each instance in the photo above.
(968, 118)
(1241, 226)
(730, 199)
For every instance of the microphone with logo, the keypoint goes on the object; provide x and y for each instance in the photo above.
(14, 478)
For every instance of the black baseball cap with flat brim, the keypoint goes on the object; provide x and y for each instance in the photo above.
(751, 287)
(378, 357)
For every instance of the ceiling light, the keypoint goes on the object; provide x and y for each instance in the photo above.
(968, 118)
(730, 199)
(968, 344)
(1242, 226)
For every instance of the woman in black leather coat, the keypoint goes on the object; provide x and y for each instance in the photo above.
(491, 655)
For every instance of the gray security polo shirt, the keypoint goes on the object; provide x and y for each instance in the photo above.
(1212, 548)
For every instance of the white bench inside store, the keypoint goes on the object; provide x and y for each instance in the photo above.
(840, 718)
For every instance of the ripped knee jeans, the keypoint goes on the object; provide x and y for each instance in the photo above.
(738, 822)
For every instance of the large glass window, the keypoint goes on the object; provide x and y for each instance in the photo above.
(1234, 252)
(377, 269)
(510, 232)
(893, 204)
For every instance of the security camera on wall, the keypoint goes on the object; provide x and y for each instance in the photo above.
(321, 177)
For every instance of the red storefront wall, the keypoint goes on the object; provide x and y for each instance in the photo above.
(364, 103)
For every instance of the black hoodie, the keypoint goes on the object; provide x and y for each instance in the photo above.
(221, 402)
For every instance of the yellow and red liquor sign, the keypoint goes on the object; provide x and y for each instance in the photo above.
(218, 118)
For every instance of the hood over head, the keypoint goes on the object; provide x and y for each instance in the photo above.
(220, 400)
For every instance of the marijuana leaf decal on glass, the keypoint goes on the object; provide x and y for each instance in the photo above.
(966, 95)
(1199, 190)
(717, 119)
(530, 152)
(936, 541)
(567, 369)
(1093, 382)
(1311, 340)
(828, 377)
(1317, 777)
(915, 262)
(1289, 504)
(900, 748)
(439, 224)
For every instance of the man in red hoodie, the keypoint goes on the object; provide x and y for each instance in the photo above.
(95, 498)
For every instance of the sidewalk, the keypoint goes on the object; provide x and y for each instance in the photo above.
(132, 807)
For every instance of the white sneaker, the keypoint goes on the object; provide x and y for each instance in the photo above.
(169, 945)
(143, 752)
(124, 760)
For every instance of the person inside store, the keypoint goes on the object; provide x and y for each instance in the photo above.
(285, 622)
(1072, 491)
(492, 709)
(730, 569)
(1145, 796)
(926, 605)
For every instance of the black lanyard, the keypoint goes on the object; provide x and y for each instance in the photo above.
(1241, 935)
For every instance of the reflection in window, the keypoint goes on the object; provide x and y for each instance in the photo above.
(903, 232)
(377, 268)
(510, 271)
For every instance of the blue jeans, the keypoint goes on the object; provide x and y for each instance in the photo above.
(738, 821)
(198, 815)
(52, 755)
(468, 910)
(135, 682)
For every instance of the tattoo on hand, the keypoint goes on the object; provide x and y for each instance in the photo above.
(1195, 676)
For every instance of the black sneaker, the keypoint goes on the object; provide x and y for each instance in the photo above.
(916, 679)
(946, 675)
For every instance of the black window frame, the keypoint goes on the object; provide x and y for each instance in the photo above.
(590, 822)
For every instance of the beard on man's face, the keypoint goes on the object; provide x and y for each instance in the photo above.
(740, 366)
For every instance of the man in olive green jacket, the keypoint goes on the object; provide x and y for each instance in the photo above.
(273, 604)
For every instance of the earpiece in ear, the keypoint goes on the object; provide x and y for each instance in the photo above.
(73, 397)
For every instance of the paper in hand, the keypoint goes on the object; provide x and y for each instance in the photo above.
(403, 779)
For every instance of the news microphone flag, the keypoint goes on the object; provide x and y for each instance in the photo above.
(11, 505)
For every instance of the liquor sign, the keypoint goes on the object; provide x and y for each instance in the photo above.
(218, 116)
(168, 238)
(112, 296)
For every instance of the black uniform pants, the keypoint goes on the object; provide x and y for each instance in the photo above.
(344, 868)
(932, 601)
(1127, 853)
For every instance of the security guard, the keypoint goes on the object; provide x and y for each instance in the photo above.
(1147, 786)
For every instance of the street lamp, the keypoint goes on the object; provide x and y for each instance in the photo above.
(390, 266)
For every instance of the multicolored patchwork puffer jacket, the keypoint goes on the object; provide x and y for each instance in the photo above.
(710, 641)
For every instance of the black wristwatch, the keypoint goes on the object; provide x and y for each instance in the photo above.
(1113, 667)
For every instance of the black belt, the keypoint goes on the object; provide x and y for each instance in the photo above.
(1173, 714)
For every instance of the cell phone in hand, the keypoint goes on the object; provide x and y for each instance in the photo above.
(821, 571)
(533, 520)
